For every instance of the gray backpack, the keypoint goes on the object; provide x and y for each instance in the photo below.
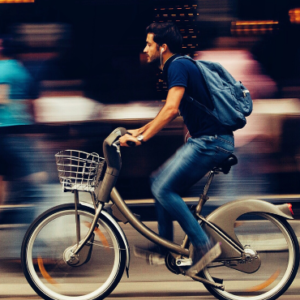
(231, 100)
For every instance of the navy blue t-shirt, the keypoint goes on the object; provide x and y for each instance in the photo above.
(184, 72)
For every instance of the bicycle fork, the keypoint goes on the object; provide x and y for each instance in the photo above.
(80, 253)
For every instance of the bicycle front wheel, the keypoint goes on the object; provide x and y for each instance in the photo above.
(276, 245)
(43, 251)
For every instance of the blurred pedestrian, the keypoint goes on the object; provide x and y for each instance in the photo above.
(18, 151)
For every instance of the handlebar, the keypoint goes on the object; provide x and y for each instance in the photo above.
(129, 143)
(111, 151)
(111, 156)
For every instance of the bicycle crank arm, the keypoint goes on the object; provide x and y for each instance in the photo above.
(205, 281)
(182, 262)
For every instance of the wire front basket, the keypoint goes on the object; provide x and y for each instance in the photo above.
(78, 170)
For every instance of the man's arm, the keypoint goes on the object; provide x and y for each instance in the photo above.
(4, 90)
(166, 115)
(136, 132)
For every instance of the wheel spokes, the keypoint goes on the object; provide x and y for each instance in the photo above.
(44, 273)
(265, 284)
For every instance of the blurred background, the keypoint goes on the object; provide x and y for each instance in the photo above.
(83, 62)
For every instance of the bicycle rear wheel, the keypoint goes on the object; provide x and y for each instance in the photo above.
(275, 242)
(43, 262)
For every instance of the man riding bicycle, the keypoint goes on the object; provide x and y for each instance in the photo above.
(209, 143)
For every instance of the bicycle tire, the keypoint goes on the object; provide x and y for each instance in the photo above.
(42, 256)
(279, 261)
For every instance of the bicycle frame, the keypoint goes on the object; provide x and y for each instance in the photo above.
(48, 255)
(152, 236)
(141, 228)
(231, 247)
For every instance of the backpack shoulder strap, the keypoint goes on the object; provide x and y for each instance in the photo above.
(199, 105)
(189, 98)
(204, 67)
(183, 57)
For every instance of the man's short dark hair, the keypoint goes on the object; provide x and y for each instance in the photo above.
(166, 33)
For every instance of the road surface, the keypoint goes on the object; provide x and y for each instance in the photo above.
(144, 283)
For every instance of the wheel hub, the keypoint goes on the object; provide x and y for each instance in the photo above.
(250, 254)
(70, 258)
(82, 257)
(249, 262)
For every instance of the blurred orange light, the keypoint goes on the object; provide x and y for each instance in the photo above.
(295, 15)
(256, 22)
(253, 27)
(17, 1)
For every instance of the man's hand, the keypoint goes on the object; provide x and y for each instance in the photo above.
(134, 132)
(126, 138)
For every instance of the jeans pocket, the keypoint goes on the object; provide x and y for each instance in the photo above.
(225, 151)
(225, 144)
(229, 140)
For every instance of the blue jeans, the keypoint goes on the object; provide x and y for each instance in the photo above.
(186, 167)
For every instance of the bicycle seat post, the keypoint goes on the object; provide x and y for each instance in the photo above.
(203, 197)
(224, 167)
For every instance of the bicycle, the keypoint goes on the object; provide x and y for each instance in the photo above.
(79, 251)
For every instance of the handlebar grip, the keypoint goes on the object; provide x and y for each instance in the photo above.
(122, 130)
(131, 143)
(115, 135)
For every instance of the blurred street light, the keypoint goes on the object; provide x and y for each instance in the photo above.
(295, 15)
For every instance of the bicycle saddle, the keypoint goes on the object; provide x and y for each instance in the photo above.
(226, 165)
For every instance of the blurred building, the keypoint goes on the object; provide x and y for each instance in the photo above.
(106, 39)
(184, 15)
(45, 50)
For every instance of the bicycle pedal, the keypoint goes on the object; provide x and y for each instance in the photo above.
(181, 262)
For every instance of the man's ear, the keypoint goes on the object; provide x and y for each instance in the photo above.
(163, 48)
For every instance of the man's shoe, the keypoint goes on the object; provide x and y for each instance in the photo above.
(202, 259)
(151, 255)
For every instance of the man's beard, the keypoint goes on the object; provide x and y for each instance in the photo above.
(155, 62)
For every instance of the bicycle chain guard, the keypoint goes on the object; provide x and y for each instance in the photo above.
(249, 262)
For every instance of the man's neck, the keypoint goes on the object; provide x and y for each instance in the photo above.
(166, 57)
